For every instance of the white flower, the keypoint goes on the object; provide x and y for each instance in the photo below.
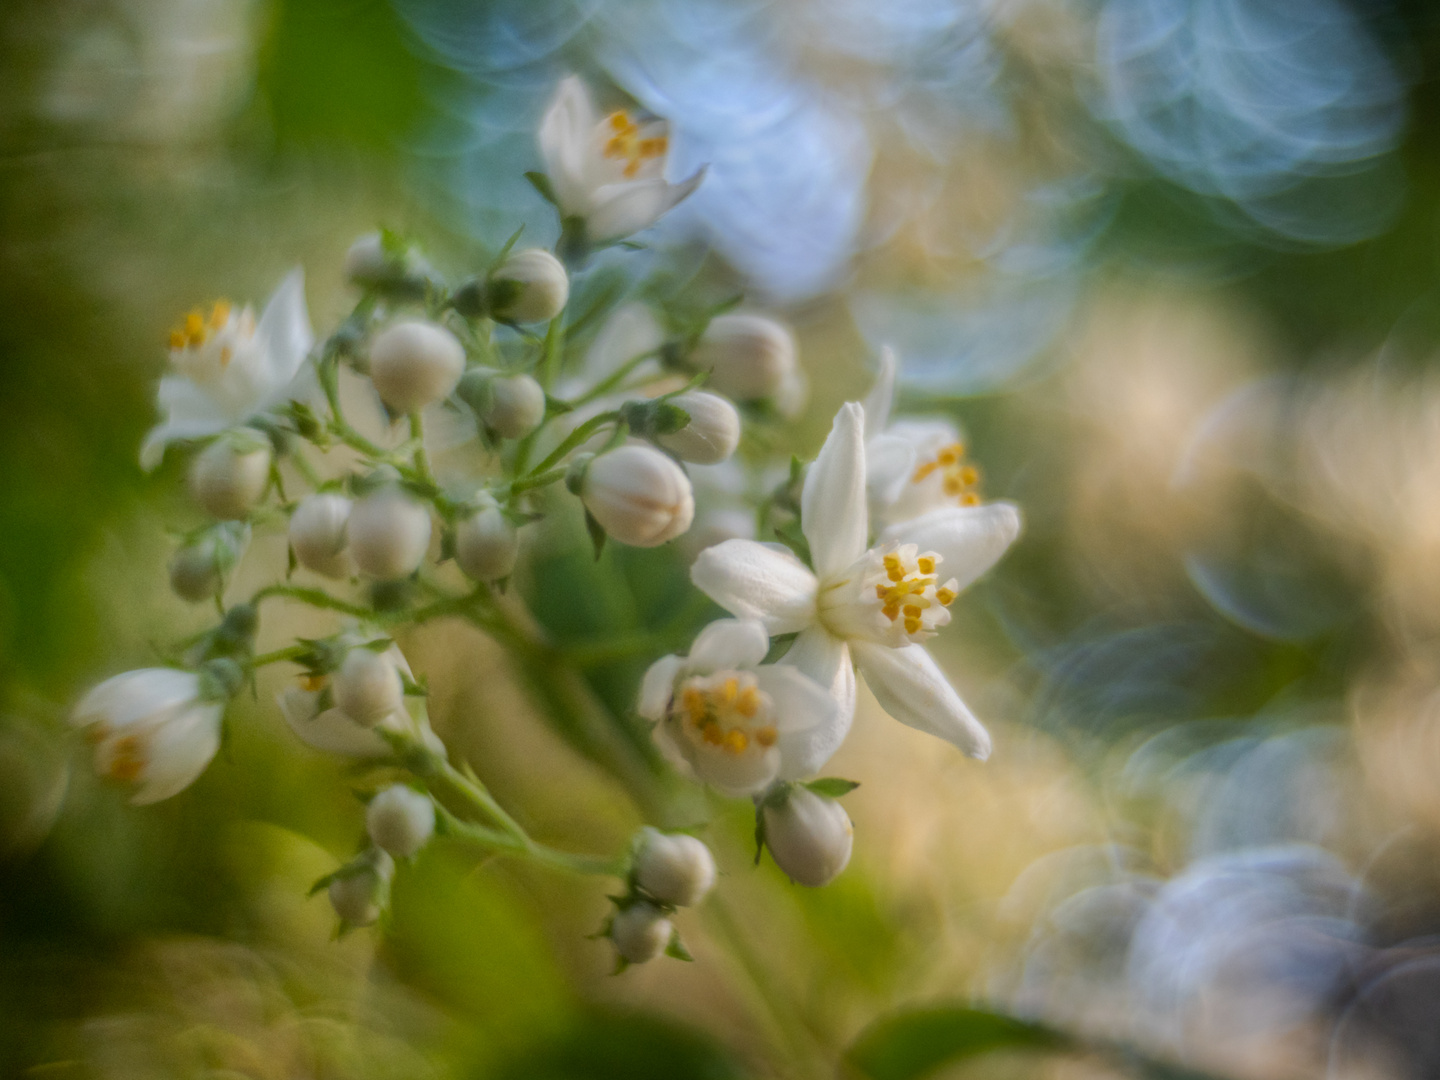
(608, 170)
(228, 367)
(731, 722)
(640, 932)
(415, 363)
(712, 433)
(674, 868)
(874, 605)
(913, 466)
(155, 728)
(318, 534)
(529, 286)
(400, 820)
(638, 495)
(809, 836)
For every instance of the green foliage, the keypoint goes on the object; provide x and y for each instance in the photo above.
(620, 1046)
(913, 1045)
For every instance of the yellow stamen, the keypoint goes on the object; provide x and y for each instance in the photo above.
(312, 683)
(766, 736)
(945, 596)
(926, 564)
(627, 144)
(959, 479)
(736, 741)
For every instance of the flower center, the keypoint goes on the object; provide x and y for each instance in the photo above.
(127, 758)
(726, 711)
(905, 586)
(958, 478)
(196, 329)
(626, 143)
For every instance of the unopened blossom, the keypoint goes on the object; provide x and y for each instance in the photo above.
(486, 543)
(368, 686)
(362, 892)
(157, 728)
(318, 534)
(914, 465)
(415, 363)
(873, 607)
(516, 406)
(638, 495)
(400, 820)
(750, 358)
(227, 366)
(712, 434)
(388, 533)
(640, 932)
(674, 868)
(728, 720)
(809, 836)
(230, 475)
(529, 286)
(197, 570)
(607, 170)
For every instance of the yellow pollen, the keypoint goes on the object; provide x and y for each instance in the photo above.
(959, 479)
(196, 329)
(945, 596)
(912, 626)
(627, 144)
(736, 741)
(912, 611)
(926, 564)
(712, 734)
(219, 314)
(749, 703)
(177, 339)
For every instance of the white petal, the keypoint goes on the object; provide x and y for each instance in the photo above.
(810, 721)
(284, 332)
(968, 539)
(617, 210)
(911, 687)
(658, 687)
(137, 695)
(889, 464)
(729, 643)
(564, 137)
(833, 511)
(825, 659)
(882, 394)
(179, 751)
(331, 730)
(757, 581)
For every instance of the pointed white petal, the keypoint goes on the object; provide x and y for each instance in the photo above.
(618, 210)
(179, 751)
(825, 659)
(137, 695)
(757, 581)
(729, 643)
(889, 464)
(565, 135)
(911, 687)
(331, 730)
(969, 539)
(284, 332)
(882, 394)
(658, 687)
(833, 511)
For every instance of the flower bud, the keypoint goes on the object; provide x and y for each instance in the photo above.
(197, 570)
(529, 286)
(228, 477)
(809, 835)
(638, 495)
(400, 820)
(748, 356)
(368, 686)
(486, 544)
(712, 434)
(389, 533)
(674, 868)
(317, 534)
(516, 406)
(361, 893)
(414, 364)
(640, 932)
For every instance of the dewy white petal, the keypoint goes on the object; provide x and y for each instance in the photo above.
(969, 539)
(882, 394)
(757, 581)
(658, 687)
(910, 686)
(825, 659)
(833, 507)
(729, 643)
(179, 751)
(284, 333)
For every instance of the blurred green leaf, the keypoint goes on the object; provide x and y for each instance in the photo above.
(914, 1044)
(622, 1046)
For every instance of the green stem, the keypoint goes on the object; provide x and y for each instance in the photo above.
(422, 459)
(537, 480)
(339, 426)
(276, 656)
(615, 378)
(554, 348)
(501, 843)
(574, 439)
(314, 597)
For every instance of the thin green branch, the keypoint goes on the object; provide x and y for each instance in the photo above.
(318, 598)
(574, 439)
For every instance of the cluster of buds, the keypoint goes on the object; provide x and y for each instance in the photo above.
(667, 871)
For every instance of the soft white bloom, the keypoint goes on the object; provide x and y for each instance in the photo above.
(874, 606)
(674, 868)
(750, 357)
(230, 475)
(913, 466)
(712, 434)
(359, 895)
(486, 544)
(809, 836)
(608, 170)
(389, 533)
(400, 820)
(638, 495)
(640, 932)
(228, 367)
(730, 721)
(516, 407)
(529, 286)
(415, 363)
(156, 728)
(318, 534)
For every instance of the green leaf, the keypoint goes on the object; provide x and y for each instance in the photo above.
(541, 183)
(831, 787)
(597, 533)
(911, 1045)
(677, 949)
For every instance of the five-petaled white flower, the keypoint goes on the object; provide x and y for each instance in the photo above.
(874, 605)
(228, 367)
(155, 728)
(731, 722)
(608, 170)
(916, 465)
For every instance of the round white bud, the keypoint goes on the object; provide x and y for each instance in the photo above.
(359, 896)
(228, 477)
(712, 434)
(486, 544)
(368, 687)
(810, 837)
(529, 286)
(638, 495)
(400, 820)
(517, 405)
(674, 868)
(640, 932)
(414, 364)
(748, 356)
(389, 533)
(317, 534)
(367, 261)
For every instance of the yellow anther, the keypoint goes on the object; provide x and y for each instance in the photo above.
(926, 564)
(949, 455)
(736, 741)
(913, 611)
(312, 683)
(195, 325)
(219, 314)
(712, 734)
(177, 339)
(766, 736)
(627, 144)
(958, 478)
(912, 626)
(749, 703)
(970, 499)
(945, 596)
(891, 611)
(730, 691)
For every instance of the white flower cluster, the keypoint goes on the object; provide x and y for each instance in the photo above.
(625, 424)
